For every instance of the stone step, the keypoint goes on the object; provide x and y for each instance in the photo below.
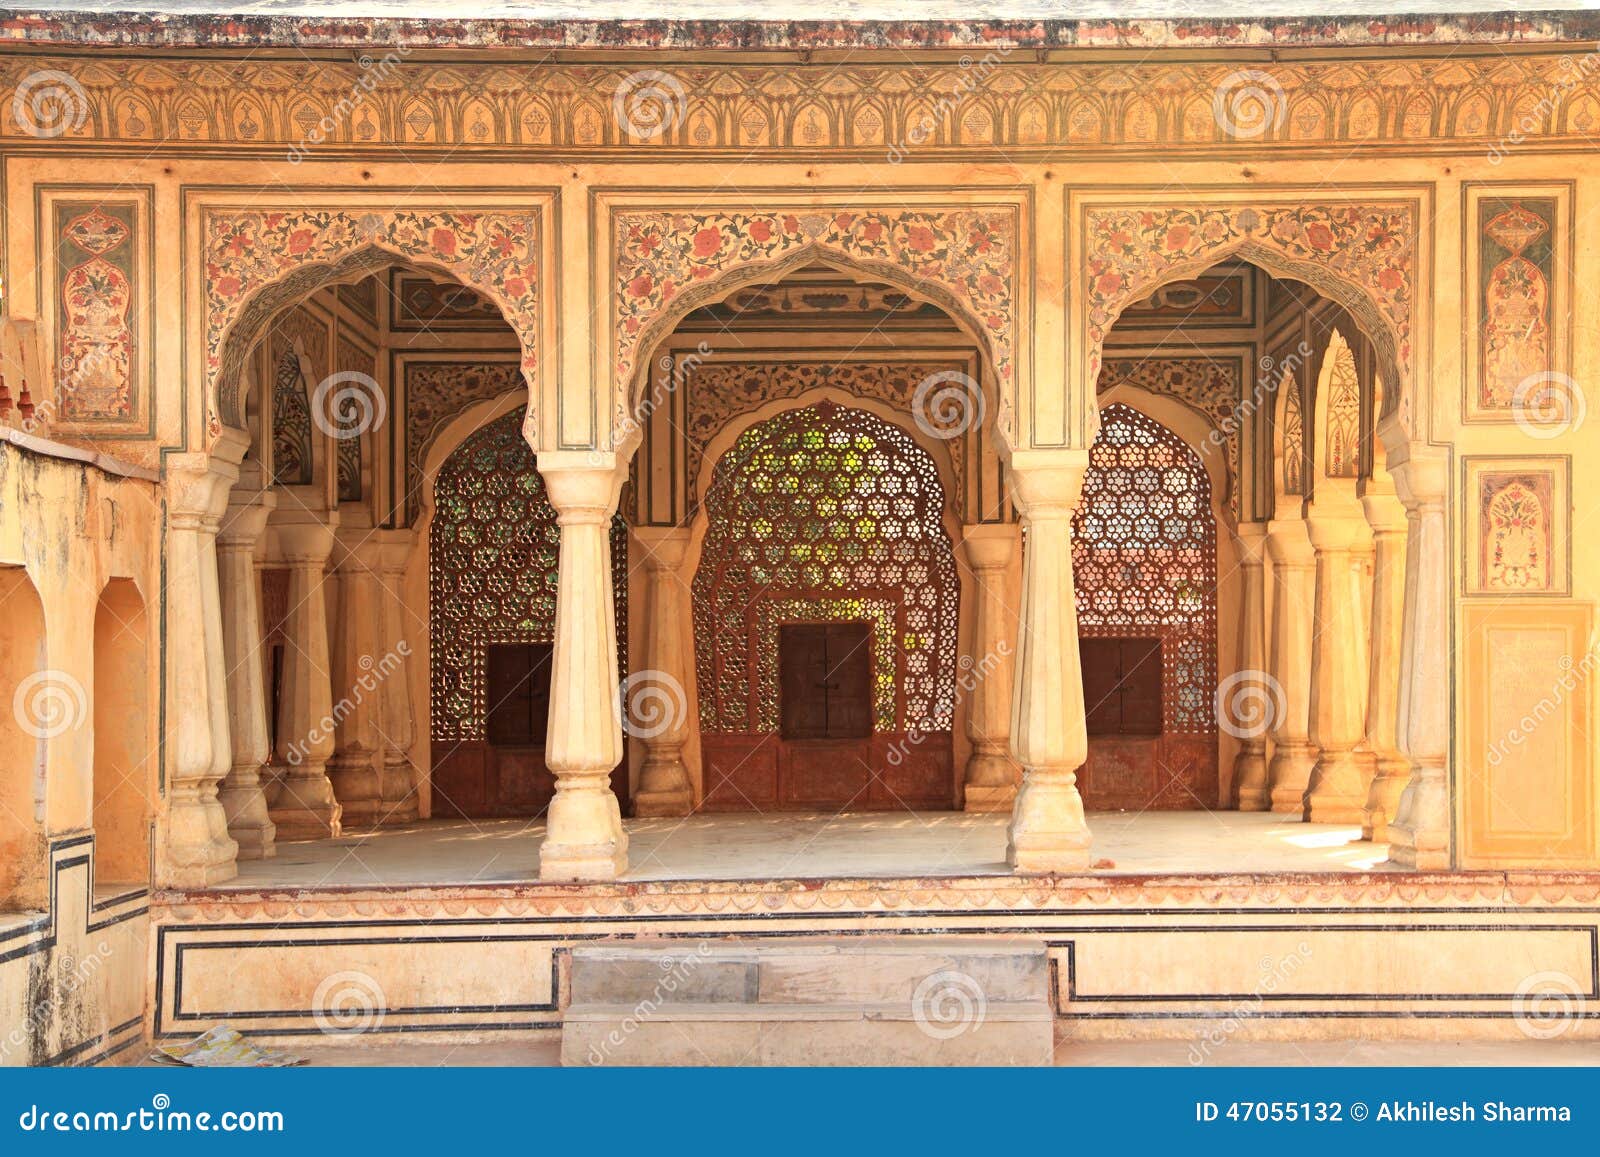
(873, 969)
(804, 1001)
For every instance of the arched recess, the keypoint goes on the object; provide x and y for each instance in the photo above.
(668, 264)
(24, 688)
(493, 545)
(256, 263)
(1145, 565)
(1336, 446)
(1361, 256)
(825, 529)
(122, 769)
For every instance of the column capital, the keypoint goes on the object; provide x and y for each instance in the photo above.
(1289, 543)
(306, 543)
(1341, 530)
(665, 547)
(1047, 483)
(990, 545)
(245, 519)
(1252, 541)
(198, 485)
(584, 486)
(395, 547)
(356, 549)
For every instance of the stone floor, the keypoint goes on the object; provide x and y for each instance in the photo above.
(788, 846)
(1174, 1053)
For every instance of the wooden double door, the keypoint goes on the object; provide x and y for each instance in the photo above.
(505, 775)
(826, 755)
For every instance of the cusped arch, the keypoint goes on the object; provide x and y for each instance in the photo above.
(666, 265)
(257, 263)
(1361, 257)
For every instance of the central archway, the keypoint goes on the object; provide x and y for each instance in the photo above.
(825, 548)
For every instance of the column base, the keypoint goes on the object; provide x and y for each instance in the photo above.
(670, 804)
(988, 798)
(1250, 782)
(1290, 773)
(1419, 836)
(1383, 797)
(1337, 794)
(399, 794)
(306, 809)
(1048, 833)
(256, 843)
(197, 851)
(245, 805)
(583, 861)
(358, 786)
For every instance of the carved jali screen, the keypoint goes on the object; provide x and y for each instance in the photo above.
(1145, 559)
(825, 514)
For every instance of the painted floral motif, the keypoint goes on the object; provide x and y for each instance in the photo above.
(1516, 532)
(298, 346)
(353, 358)
(1371, 248)
(1210, 385)
(1294, 437)
(95, 354)
(964, 259)
(495, 252)
(1515, 308)
(721, 392)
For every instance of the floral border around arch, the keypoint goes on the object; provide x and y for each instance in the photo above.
(961, 258)
(1369, 248)
(495, 251)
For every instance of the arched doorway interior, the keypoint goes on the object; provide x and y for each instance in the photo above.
(122, 796)
(825, 619)
(493, 549)
(1144, 557)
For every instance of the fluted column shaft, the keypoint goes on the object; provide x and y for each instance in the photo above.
(304, 806)
(399, 723)
(1293, 595)
(656, 700)
(1246, 706)
(1420, 833)
(241, 795)
(1338, 708)
(584, 839)
(991, 776)
(1387, 518)
(360, 666)
(195, 850)
(1049, 736)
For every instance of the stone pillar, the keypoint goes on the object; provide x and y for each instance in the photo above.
(1289, 648)
(1387, 517)
(991, 777)
(304, 806)
(241, 796)
(1247, 707)
(1049, 736)
(1338, 716)
(657, 698)
(584, 839)
(359, 667)
(399, 724)
(196, 851)
(1420, 832)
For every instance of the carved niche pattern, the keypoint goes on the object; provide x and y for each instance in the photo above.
(962, 258)
(717, 393)
(495, 252)
(95, 355)
(1342, 416)
(436, 392)
(1029, 106)
(351, 422)
(1338, 249)
(298, 344)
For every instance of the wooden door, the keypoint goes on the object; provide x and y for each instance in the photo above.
(825, 680)
(1123, 711)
